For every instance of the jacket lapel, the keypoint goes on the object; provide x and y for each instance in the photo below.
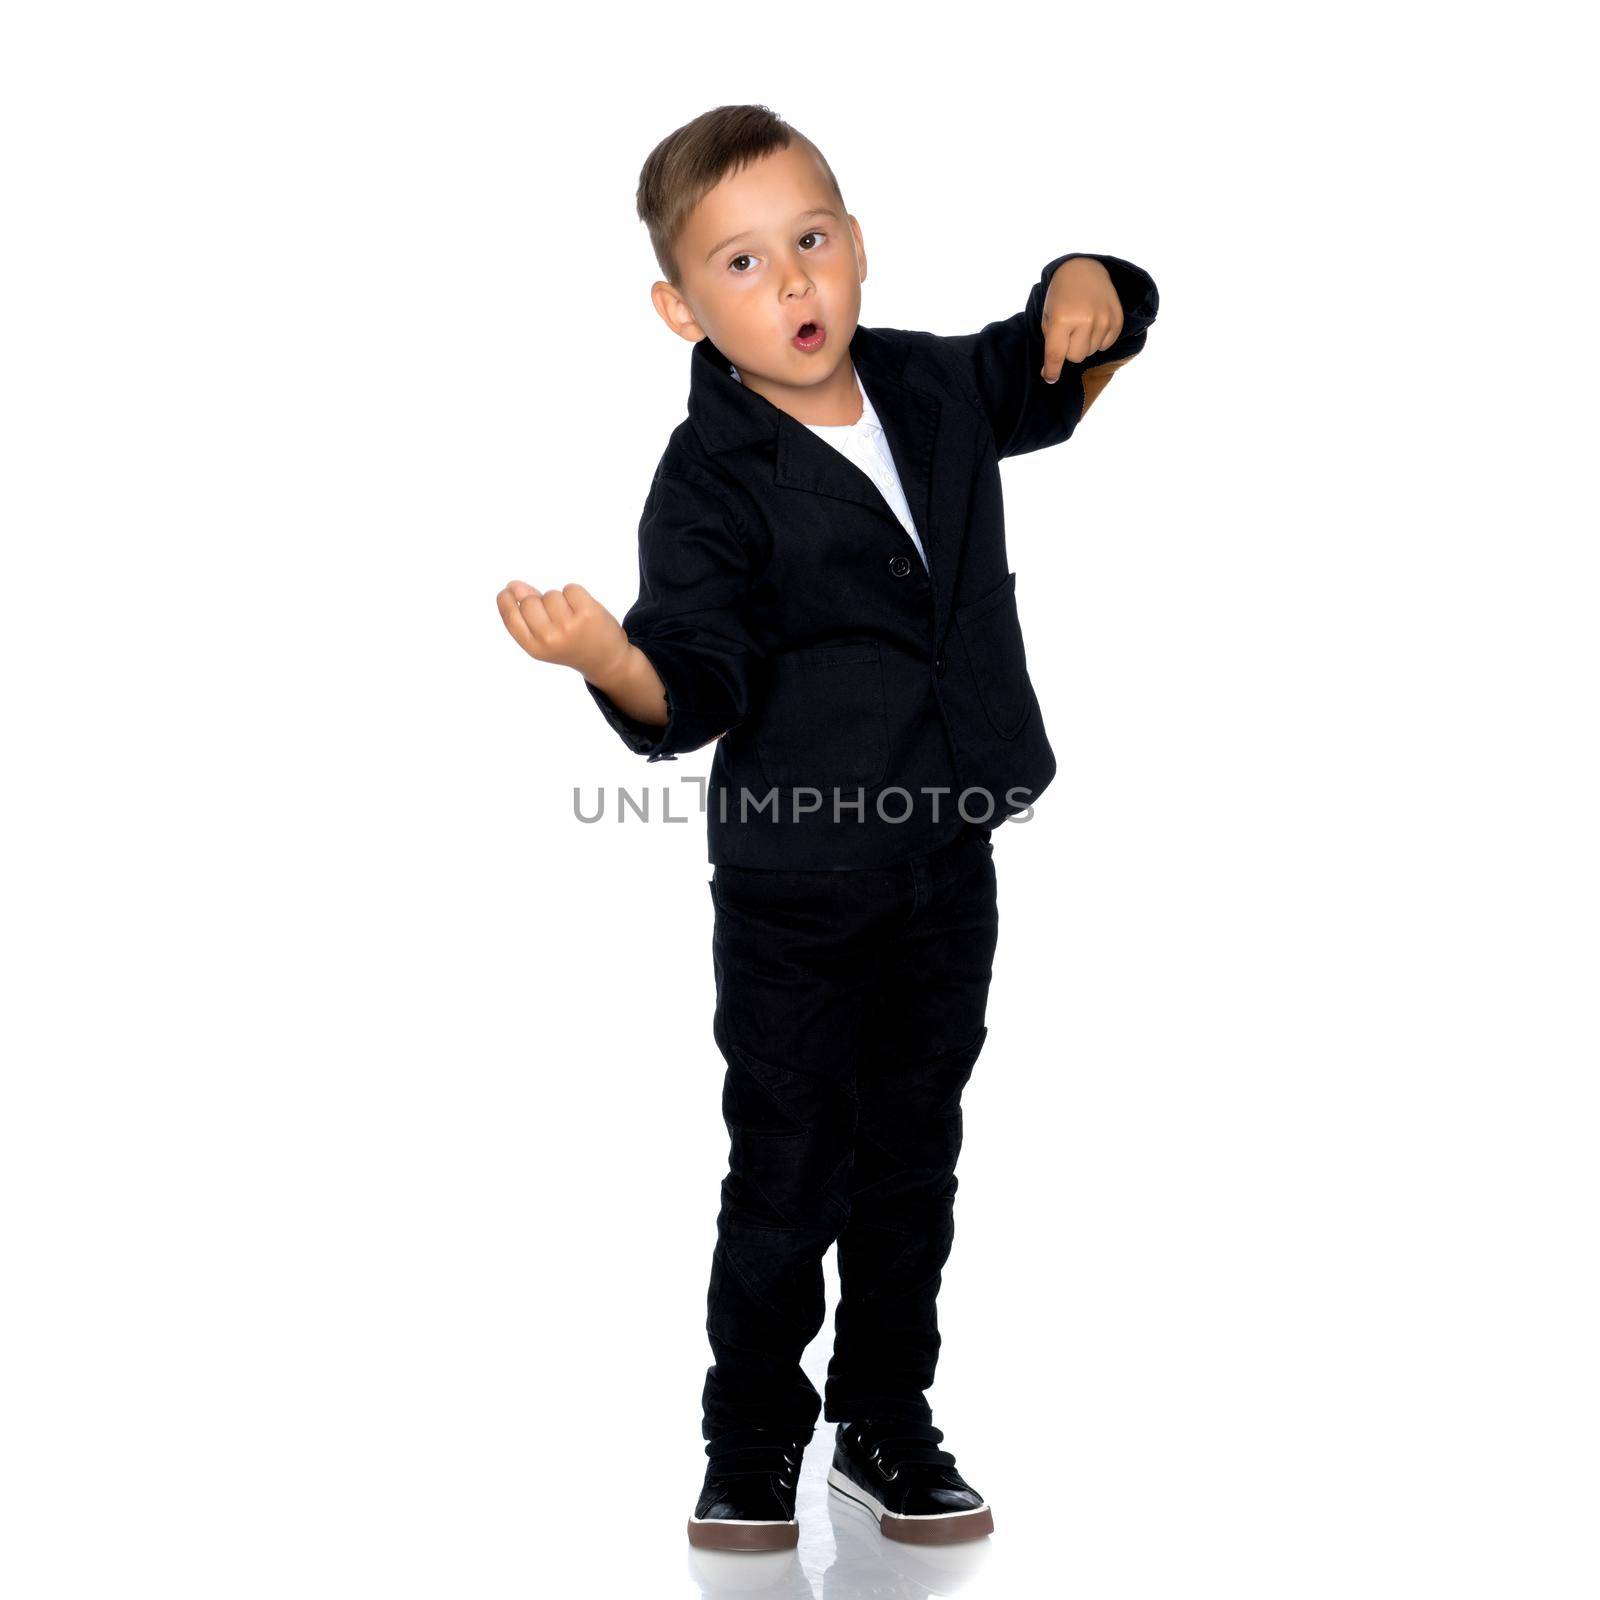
(728, 413)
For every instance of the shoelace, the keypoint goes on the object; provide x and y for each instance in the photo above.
(752, 1453)
(894, 1445)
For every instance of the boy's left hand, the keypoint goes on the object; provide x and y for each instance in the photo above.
(1082, 314)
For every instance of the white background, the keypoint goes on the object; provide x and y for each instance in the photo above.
(1276, 1243)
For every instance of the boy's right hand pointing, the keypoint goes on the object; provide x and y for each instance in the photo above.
(567, 627)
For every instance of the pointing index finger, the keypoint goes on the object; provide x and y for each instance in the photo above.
(1055, 351)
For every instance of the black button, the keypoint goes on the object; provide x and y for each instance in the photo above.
(938, 666)
(900, 566)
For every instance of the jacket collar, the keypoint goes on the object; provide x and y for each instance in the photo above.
(867, 421)
(727, 414)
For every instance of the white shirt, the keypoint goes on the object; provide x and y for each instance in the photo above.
(865, 443)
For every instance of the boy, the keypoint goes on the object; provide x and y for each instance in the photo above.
(824, 592)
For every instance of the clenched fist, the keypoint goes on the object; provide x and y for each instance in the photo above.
(567, 627)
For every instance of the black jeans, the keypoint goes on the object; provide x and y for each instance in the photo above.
(850, 1011)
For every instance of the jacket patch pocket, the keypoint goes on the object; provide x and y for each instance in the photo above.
(824, 723)
(991, 632)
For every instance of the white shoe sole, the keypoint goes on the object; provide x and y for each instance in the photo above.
(939, 1527)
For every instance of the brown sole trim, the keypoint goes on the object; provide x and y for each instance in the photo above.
(937, 1530)
(954, 1529)
(720, 1533)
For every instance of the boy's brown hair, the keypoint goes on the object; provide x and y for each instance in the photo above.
(692, 160)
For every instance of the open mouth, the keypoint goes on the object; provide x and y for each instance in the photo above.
(810, 336)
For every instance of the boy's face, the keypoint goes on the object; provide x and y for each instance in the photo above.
(767, 250)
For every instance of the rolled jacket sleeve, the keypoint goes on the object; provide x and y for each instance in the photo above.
(690, 619)
(1004, 361)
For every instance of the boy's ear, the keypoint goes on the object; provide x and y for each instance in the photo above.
(675, 311)
(861, 248)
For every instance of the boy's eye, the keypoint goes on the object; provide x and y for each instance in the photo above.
(811, 233)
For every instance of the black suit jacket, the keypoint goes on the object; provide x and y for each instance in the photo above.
(857, 695)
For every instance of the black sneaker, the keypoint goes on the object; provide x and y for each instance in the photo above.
(894, 1471)
(747, 1502)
